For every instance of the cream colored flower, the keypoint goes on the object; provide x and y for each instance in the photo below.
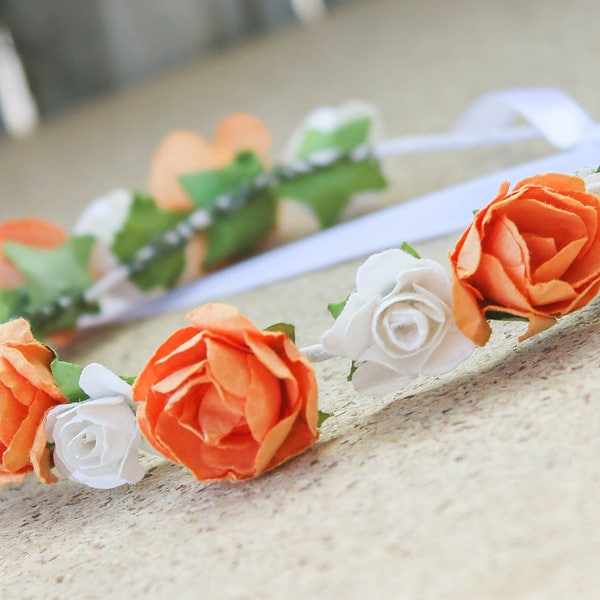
(97, 441)
(591, 177)
(398, 323)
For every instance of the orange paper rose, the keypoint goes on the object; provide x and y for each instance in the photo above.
(27, 392)
(533, 252)
(225, 399)
(184, 151)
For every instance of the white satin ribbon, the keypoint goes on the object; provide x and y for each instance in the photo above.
(551, 114)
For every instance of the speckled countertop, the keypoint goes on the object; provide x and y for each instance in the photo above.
(483, 483)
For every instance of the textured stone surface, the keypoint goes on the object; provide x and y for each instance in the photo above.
(482, 483)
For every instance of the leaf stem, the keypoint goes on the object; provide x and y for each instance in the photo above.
(197, 221)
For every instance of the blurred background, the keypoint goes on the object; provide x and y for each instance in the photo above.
(98, 83)
(71, 51)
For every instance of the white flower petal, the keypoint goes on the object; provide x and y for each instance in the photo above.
(98, 382)
(398, 323)
(350, 334)
(97, 441)
(105, 216)
(374, 379)
(375, 277)
(454, 349)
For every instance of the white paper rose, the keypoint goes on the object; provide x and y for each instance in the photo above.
(97, 441)
(398, 323)
(591, 177)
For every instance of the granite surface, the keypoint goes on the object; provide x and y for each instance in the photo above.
(482, 483)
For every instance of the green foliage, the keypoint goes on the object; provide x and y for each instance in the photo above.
(240, 232)
(144, 223)
(323, 416)
(66, 375)
(335, 308)
(49, 274)
(329, 191)
(406, 247)
(343, 138)
(10, 301)
(497, 315)
(353, 369)
(286, 328)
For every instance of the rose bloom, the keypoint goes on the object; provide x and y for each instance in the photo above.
(533, 252)
(398, 323)
(225, 399)
(183, 151)
(97, 441)
(27, 392)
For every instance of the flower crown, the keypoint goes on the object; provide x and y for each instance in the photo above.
(220, 396)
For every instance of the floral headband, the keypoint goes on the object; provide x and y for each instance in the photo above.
(220, 396)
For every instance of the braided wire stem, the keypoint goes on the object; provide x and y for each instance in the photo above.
(197, 221)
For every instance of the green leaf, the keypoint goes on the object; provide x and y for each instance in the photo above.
(205, 187)
(130, 380)
(286, 328)
(353, 369)
(598, 169)
(10, 301)
(323, 416)
(143, 224)
(497, 315)
(406, 247)
(66, 375)
(50, 274)
(328, 191)
(476, 211)
(336, 308)
(343, 138)
(238, 233)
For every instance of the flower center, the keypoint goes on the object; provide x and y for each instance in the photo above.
(83, 445)
(404, 328)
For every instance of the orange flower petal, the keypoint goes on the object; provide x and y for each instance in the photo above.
(12, 414)
(468, 253)
(540, 255)
(273, 442)
(537, 324)
(214, 420)
(228, 366)
(556, 266)
(16, 331)
(17, 455)
(179, 153)
(550, 292)
(298, 439)
(468, 316)
(556, 181)
(493, 282)
(540, 217)
(238, 132)
(40, 455)
(263, 399)
(250, 393)
(504, 242)
(222, 320)
(541, 249)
